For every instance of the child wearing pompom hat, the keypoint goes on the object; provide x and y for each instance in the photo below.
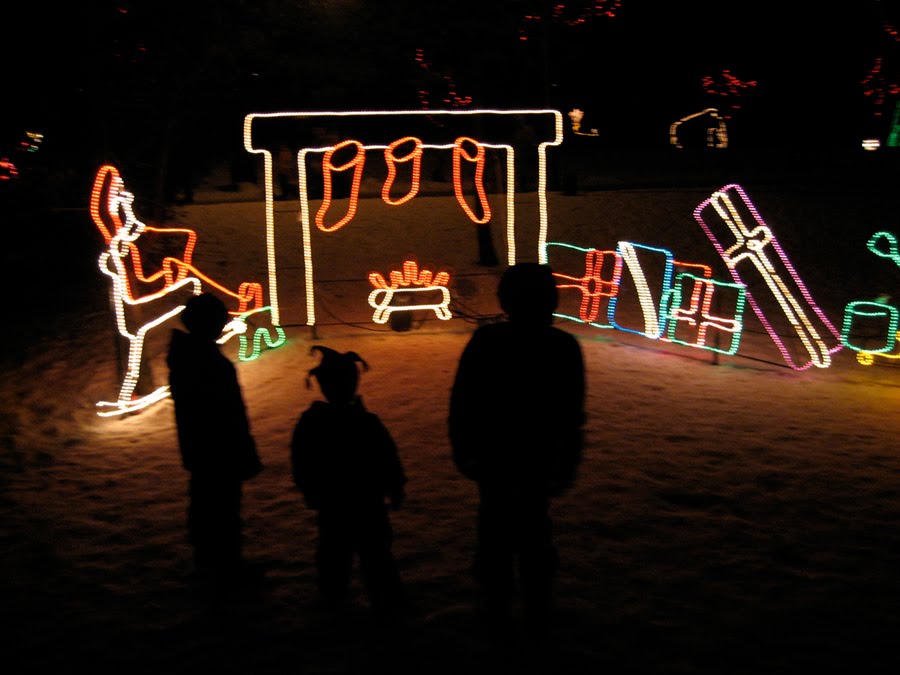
(345, 463)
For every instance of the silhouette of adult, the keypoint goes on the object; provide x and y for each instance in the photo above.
(214, 438)
(515, 427)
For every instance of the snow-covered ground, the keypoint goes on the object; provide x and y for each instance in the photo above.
(731, 514)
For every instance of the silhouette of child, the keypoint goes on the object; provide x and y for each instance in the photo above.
(345, 463)
(515, 426)
(214, 438)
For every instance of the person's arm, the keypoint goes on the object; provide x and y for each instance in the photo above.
(393, 475)
(461, 423)
(300, 463)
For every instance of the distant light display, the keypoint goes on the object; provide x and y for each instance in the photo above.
(877, 87)
(8, 170)
(576, 115)
(716, 132)
(569, 14)
(893, 140)
(449, 98)
(32, 142)
(729, 89)
(756, 260)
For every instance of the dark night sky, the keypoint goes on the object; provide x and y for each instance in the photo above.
(640, 69)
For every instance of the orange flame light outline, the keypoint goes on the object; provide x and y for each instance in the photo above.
(410, 280)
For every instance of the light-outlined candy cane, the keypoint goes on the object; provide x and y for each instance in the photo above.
(750, 249)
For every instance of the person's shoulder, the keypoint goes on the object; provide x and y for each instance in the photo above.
(316, 410)
(492, 331)
(562, 334)
(564, 337)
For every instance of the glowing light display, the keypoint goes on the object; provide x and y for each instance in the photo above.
(753, 255)
(356, 163)
(877, 319)
(576, 115)
(443, 80)
(874, 319)
(728, 88)
(460, 153)
(570, 14)
(878, 88)
(652, 290)
(595, 290)
(698, 291)
(484, 132)
(251, 347)
(8, 169)
(893, 140)
(716, 133)
(410, 282)
(117, 204)
(696, 318)
(391, 158)
(686, 308)
(871, 144)
(890, 249)
(108, 217)
(160, 295)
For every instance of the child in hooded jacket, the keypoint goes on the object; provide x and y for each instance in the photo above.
(346, 464)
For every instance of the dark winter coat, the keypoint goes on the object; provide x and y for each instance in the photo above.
(517, 409)
(344, 459)
(213, 431)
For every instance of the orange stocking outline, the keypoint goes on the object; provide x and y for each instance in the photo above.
(458, 153)
(392, 160)
(357, 163)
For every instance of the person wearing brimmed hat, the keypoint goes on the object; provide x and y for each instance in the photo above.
(515, 427)
(214, 438)
(346, 464)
